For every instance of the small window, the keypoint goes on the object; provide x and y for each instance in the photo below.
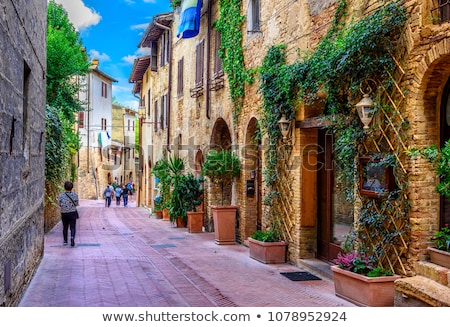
(218, 70)
(180, 85)
(104, 90)
(156, 116)
(376, 179)
(253, 16)
(81, 119)
(199, 58)
(154, 57)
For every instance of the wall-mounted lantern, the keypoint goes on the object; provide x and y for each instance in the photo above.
(287, 130)
(365, 107)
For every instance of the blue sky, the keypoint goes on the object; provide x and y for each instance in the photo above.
(110, 31)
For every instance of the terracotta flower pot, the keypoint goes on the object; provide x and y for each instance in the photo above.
(362, 290)
(267, 252)
(181, 223)
(166, 216)
(195, 221)
(158, 214)
(224, 224)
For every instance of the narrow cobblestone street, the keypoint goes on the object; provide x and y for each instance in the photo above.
(125, 258)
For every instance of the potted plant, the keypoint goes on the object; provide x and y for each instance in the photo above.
(158, 207)
(267, 246)
(440, 159)
(359, 281)
(221, 167)
(192, 198)
(440, 253)
(162, 178)
(177, 210)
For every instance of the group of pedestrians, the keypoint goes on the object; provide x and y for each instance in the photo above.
(118, 192)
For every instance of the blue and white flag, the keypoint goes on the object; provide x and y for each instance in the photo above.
(189, 24)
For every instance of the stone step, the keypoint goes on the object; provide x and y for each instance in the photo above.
(420, 291)
(434, 272)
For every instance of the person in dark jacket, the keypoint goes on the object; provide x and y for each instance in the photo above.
(68, 202)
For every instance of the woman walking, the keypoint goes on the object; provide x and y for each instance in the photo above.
(68, 202)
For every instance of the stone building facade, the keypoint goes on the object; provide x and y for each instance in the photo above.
(22, 151)
(200, 117)
(123, 134)
(97, 158)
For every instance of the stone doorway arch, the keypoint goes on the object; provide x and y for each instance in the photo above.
(251, 213)
(429, 126)
(220, 140)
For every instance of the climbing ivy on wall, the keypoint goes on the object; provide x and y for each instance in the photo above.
(346, 57)
(231, 52)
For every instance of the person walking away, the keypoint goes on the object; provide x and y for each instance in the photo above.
(107, 195)
(68, 202)
(130, 188)
(118, 194)
(125, 194)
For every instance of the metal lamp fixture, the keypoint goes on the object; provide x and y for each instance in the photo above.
(286, 128)
(364, 107)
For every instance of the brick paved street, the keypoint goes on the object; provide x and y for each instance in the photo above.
(125, 258)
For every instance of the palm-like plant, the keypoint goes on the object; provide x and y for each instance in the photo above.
(176, 207)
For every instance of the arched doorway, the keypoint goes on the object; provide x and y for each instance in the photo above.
(220, 136)
(214, 194)
(445, 136)
(251, 216)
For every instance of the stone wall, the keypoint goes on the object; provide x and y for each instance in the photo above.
(22, 146)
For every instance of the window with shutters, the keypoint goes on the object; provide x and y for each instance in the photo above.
(104, 90)
(180, 81)
(199, 64)
(164, 118)
(253, 16)
(199, 58)
(154, 57)
(156, 115)
(164, 48)
(149, 101)
(103, 124)
(218, 70)
(218, 81)
(81, 119)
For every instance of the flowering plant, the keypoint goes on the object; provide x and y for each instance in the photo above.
(442, 238)
(359, 263)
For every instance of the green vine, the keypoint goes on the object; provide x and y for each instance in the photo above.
(231, 52)
(346, 57)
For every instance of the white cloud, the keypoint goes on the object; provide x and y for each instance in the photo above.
(129, 59)
(81, 16)
(144, 51)
(139, 53)
(139, 26)
(150, 1)
(102, 57)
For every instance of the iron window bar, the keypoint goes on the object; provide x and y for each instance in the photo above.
(442, 12)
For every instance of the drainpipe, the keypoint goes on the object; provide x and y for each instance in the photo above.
(88, 119)
(170, 82)
(141, 162)
(208, 61)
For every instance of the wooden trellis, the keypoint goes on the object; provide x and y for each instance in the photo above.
(389, 136)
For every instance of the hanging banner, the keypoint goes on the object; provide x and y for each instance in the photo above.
(189, 24)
